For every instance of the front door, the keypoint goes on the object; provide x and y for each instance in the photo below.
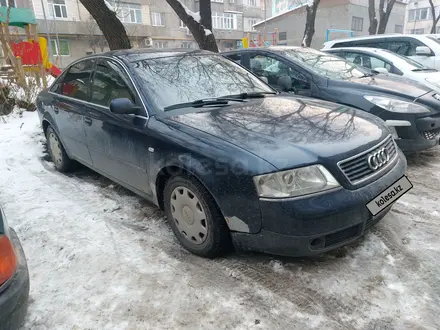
(118, 144)
(275, 70)
(69, 96)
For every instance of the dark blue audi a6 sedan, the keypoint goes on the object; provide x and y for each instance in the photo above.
(231, 163)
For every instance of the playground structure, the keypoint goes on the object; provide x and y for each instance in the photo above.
(22, 59)
(257, 39)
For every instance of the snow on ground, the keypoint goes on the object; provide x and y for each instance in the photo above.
(101, 258)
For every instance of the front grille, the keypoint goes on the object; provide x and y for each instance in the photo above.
(356, 168)
(432, 134)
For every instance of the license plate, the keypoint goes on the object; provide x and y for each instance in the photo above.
(389, 195)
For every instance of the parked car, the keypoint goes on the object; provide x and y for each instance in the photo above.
(226, 158)
(424, 49)
(411, 110)
(14, 278)
(384, 61)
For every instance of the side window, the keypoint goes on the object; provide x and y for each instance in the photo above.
(367, 61)
(108, 84)
(414, 43)
(235, 58)
(275, 71)
(75, 82)
(399, 47)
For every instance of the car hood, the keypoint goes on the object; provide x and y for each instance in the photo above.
(390, 84)
(291, 131)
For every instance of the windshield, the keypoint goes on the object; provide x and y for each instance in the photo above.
(328, 65)
(400, 61)
(190, 77)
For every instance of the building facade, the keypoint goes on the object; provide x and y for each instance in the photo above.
(350, 16)
(419, 17)
(149, 23)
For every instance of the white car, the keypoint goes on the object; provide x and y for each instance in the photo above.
(384, 61)
(423, 48)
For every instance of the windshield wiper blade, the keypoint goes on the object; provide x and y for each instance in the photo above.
(202, 103)
(424, 69)
(251, 95)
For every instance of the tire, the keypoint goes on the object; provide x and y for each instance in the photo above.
(216, 241)
(57, 152)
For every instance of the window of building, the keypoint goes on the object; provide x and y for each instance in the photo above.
(282, 36)
(225, 21)
(75, 82)
(128, 12)
(7, 3)
(57, 8)
(419, 14)
(252, 3)
(437, 29)
(108, 84)
(357, 23)
(398, 28)
(417, 31)
(63, 48)
(249, 23)
(186, 45)
(157, 19)
(160, 44)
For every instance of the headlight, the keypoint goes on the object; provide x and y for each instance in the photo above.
(395, 105)
(296, 182)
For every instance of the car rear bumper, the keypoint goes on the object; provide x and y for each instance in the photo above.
(310, 226)
(15, 295)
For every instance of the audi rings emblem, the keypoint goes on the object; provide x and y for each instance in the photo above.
(378, 159)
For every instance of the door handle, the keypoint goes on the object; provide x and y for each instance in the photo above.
(56, 110)
(88, 121)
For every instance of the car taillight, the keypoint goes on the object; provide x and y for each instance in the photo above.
(8, 259)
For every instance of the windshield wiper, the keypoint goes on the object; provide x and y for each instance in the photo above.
(424, 69)
(201, 103)
(252, 95)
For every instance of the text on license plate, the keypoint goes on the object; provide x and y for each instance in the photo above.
(389, 195)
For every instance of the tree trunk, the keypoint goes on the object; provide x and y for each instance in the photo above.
(110, 25)
(372, 15)
(200, 25)
(384, 15)
(434, 19)
(309, 30)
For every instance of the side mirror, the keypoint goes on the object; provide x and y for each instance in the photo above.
(264, 79)
(381, 70)
(285, 83)
(123, 106)
(423, 51)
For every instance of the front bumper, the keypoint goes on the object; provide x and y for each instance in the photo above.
(423, 133)
(15, 295)
(310, 226)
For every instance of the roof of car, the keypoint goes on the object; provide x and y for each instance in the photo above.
(361, 49)
(394, 35)
(136, 54)
(270, 48)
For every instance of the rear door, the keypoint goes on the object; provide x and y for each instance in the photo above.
(118, 143)
(70, 95)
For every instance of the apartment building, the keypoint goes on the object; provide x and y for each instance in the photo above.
(348, 15)
(149, 23)
(419, 17)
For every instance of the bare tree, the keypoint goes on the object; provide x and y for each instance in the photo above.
(309, 31)
(385, 8)
(95, 39)
(372, 15)
(200, 24)
(434, 19)
(110, 25)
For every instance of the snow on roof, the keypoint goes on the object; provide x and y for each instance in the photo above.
(281, 14)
